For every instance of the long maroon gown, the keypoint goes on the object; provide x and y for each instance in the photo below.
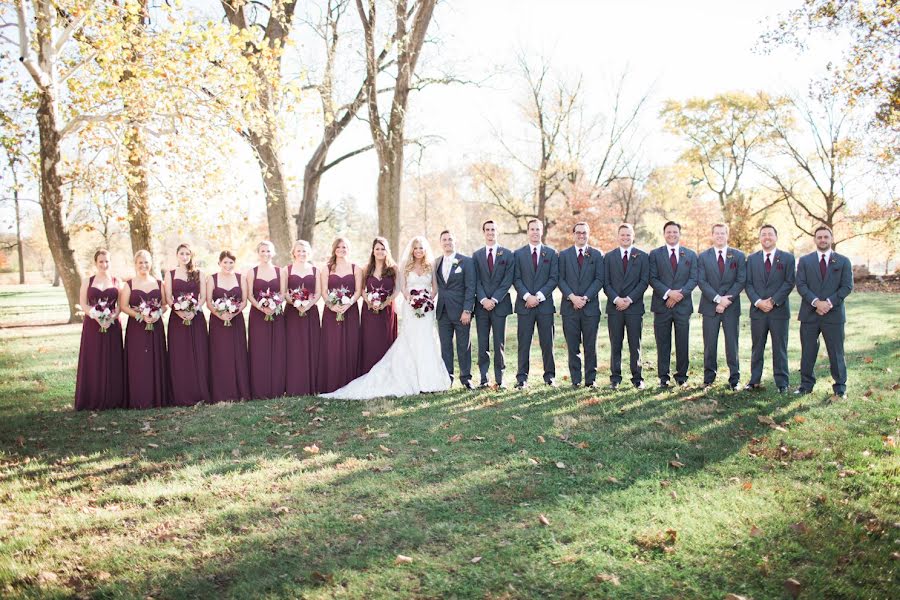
(188, 350)
(339, 355)
(302, 340)
(377, 331)
(100, 380)
(146, 366)
(229, 374)
(266, 344)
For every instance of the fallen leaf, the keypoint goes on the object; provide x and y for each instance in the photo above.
(20, 441)
(235, 453)
(868, 360)
(799, 419)
(477, 438)
(766, 420)
(606, 578)
(383, 434)
(103, 576)
(157, 446)
(734, 597)
(517, 417)
(475, 560)
(511, 439)
(413, 442)
(799, 527)
(676, 464)
(311, 449)
(385, 449)
(674, 495)
(560, 465)
(532, 461)
(403, 560)
(664, 483)
(454, 438)
(612, 479)
(747, 485)
(544, 520)
(541, 439)
(366, 413)
(47, 577)
(357, 518)
(793, 587)
(756, 531)
(282, 509)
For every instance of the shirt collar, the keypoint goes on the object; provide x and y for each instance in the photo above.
(582, 248)
(491, 248)
(772, 253)
(622, 250)
(826, 254)
(676, 248)
(724, 251)
(535, 247)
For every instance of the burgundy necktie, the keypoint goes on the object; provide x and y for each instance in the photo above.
(625, 262)
(768, 264)
(673, 261)
(580, 257)
(721, 264)
(491, 261)
(823, 268)
(534, 258)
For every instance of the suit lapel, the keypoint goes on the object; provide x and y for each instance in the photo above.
(440, 270)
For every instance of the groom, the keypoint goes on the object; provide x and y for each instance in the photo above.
(455, 303)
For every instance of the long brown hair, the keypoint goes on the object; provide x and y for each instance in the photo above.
(332, 260)
(192, 273)
(389, 264)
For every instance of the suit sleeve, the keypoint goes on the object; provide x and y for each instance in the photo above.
(553, 280)
(740, 281)
(752, 294)
(480, 293)
(802, 286)
(637, 293)
(564, 286)
(781, 296)
(593, 290)
(509, 274)
(691, 283)
(470, 278)
(521, 290)
(706, 288)
(608, 289)
(846, 284)
(655, 282)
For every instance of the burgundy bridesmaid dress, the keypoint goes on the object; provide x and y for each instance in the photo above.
(266, 344)
(302, 340)
(339, 354)
(229, 374)
(377, 331)
(100, 381)
(188, 350)
(146, 366)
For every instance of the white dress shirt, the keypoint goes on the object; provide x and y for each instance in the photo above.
(531, 249)
(724, 253)
(622, 252)
(677, 250)
(447, 265)
(493, 252)
(819, 255)
(771, 257)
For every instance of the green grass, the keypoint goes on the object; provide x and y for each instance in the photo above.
(223, 501)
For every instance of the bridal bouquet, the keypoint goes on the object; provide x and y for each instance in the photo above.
(421, 302)
(102, 312)
(299, 299)
(148, 308)
(338, 297)
(272, 300)
(377, 297)
(186, 303)
(226, 305)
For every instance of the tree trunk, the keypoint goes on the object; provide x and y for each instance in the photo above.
(19, 249)
(312, 177)
(52, 201)
(390, 179)
(276, 191)
(138, 189)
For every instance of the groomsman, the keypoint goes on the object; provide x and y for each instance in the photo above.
(721, 276)
(627, 275)
(537, 273)
(580, 281)
(494, 270)
(770, 280)
(673, 276)
(455, 303)
(824, 279)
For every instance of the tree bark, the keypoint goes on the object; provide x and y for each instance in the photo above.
(52, 200)
(19, 249)
(390, 180)
(277, 212)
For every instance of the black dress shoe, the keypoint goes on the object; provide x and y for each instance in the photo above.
(574, 385)
(614, 386)
(550, 383)
(752, 386)
(734, 387)
(484, 384)
(468, 385)
(664, 386)
(781, 390)
(521, 385)
(802, 391)
(639, 385)
(590, 385)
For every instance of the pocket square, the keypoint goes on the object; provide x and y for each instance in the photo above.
(778, 267)
(546, 261)
(734, 265)
(458, 270)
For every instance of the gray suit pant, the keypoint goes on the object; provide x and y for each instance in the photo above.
(524, 334)
(491, 325)
(662, 328)
(760, 329)
(730, 323)
(446, 330)
(580, 329)
(809, 350)
(618, 324)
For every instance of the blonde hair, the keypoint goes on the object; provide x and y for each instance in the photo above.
(146, 254)
(306, 245)
(409, 261)
(266, 243)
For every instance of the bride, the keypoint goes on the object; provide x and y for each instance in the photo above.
(413, 363)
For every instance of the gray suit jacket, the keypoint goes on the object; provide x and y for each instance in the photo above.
(584, 281)
(496, 285)
(618, 284)
(457, 293)
(712, 284)
(777, 285)
(662, 280)
(837, 285)
(527, 281)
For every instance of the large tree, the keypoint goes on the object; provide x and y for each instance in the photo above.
(410, 24)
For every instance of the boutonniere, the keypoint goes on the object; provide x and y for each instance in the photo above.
(832, 261)
(777, 260)
(729, 256)
(681, 253)
(455, 262)
(499, 252)
(543, 254)
(634, 253)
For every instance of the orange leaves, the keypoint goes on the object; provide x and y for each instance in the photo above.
(663, 541)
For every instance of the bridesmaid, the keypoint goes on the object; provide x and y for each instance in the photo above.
(378, 324)
(147, 382)
(301, 324)
(266, 339)
(100, 383)
(229, 374)
(339, 345)
(188, 341)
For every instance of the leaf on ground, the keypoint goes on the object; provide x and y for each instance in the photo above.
(20, 441)
(541, 439)
(475, 560)
(511, 439)
(581, 445)
(544, 520)
(560, 465)
(385, 449)
(366, 413)
(766, 420)
(607, 578)
(386, 469)
(413, 442)
(868, 360)
(747, 485)
(235, 453)
(517, 417)
(157, 446)
(793, 587)
(799, 527)
(664, 483)
(756, 531)
(282, 510)
(403, 560)
(45, 577)
(612, 479)
(454, 438)
(313, 449)
(735, 597)
(532, 461)
(676, 464)
(103, 576)
(357, 518)
(799, 419)
(477, 438)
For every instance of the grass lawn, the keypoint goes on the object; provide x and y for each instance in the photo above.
(554, 493)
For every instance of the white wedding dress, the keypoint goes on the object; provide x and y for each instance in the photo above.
(411, 365)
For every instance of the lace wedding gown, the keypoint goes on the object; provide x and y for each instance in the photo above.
(411, 365)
